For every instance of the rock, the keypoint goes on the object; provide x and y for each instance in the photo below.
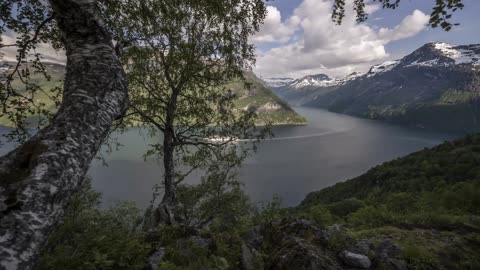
(155, 259)
(388, 253)
(355, 260)
(254, 237)
(388, 249)
(361, 247)
(302, 228)
(270, 107)
(331, 230)
(295, 253)
(249, 257)
(394, 264)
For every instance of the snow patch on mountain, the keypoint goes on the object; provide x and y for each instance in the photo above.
(319, 80)
(349, 77)
(461, 54)
(276, 82)
(383, 67)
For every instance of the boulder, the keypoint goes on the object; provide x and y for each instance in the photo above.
(155, 259)
(295, 253)
(388, 255)
(361, 247)
(355, 260)
(254, 237)
(387, 248)
(249, 257)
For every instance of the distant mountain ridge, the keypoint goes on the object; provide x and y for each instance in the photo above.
(258, 98)
(276, 82)
(437, 87)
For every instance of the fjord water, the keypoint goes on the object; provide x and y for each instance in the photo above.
(299, 159)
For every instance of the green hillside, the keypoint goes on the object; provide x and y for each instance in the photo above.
(428, 202)
(259, 98)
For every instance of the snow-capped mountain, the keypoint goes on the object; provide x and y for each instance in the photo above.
(437, 86)
(350, 77)
(318, 80)
(383, 67)
(434, 54)
(437, 78)
(276, 82)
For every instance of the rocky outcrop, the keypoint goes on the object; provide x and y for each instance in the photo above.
(388, 255)
(270, 107)
(295, 245)
(355, 260)
(295, 253)
(300, 245)
(155, 259)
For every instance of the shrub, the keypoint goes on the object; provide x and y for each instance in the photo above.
(320, 215)
(371, 217)
(93, 238)
(345, 207)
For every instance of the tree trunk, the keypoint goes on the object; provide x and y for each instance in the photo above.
(38, 178)
(168, 163)
(169, 200)
(167, 207)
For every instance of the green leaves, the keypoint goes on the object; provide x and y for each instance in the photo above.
(93, 238)
(179, 57)
(31, 24)
(440, 16)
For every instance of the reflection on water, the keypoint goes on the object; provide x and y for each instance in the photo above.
(298, 160)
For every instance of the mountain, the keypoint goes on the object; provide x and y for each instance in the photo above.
(307, 88)
(427, 203)
(276, 82)
(262, 100)
(318, 80)
(436, 87)
(259, 98)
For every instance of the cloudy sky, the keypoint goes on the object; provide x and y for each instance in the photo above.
(299, 38)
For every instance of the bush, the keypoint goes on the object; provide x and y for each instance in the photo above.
(92, 238)
(418, 258)
(270, 211)
(320, 215)
(345, 207)
(218, 201)
(371, 217)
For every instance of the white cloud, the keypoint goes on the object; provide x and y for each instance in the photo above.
(273, 29)
(410, 26)
(328, 48)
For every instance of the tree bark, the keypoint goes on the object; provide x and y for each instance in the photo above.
(38, 178)
(169, 201)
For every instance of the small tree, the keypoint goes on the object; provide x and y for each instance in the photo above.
(185, 54)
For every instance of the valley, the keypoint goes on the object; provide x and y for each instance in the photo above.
(435, 87)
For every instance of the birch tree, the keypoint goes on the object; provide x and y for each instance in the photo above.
(185, 55)
(39, 176)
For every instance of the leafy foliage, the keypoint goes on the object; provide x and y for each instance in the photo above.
(179, 57)
(20, 95)
(93, 238)
(440, 16)
(420, 200)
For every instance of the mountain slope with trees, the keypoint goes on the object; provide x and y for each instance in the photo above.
(435, 87)
(257, 98)
(428, 202)
(41, 176)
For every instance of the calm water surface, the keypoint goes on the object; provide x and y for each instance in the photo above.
(300, 159)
